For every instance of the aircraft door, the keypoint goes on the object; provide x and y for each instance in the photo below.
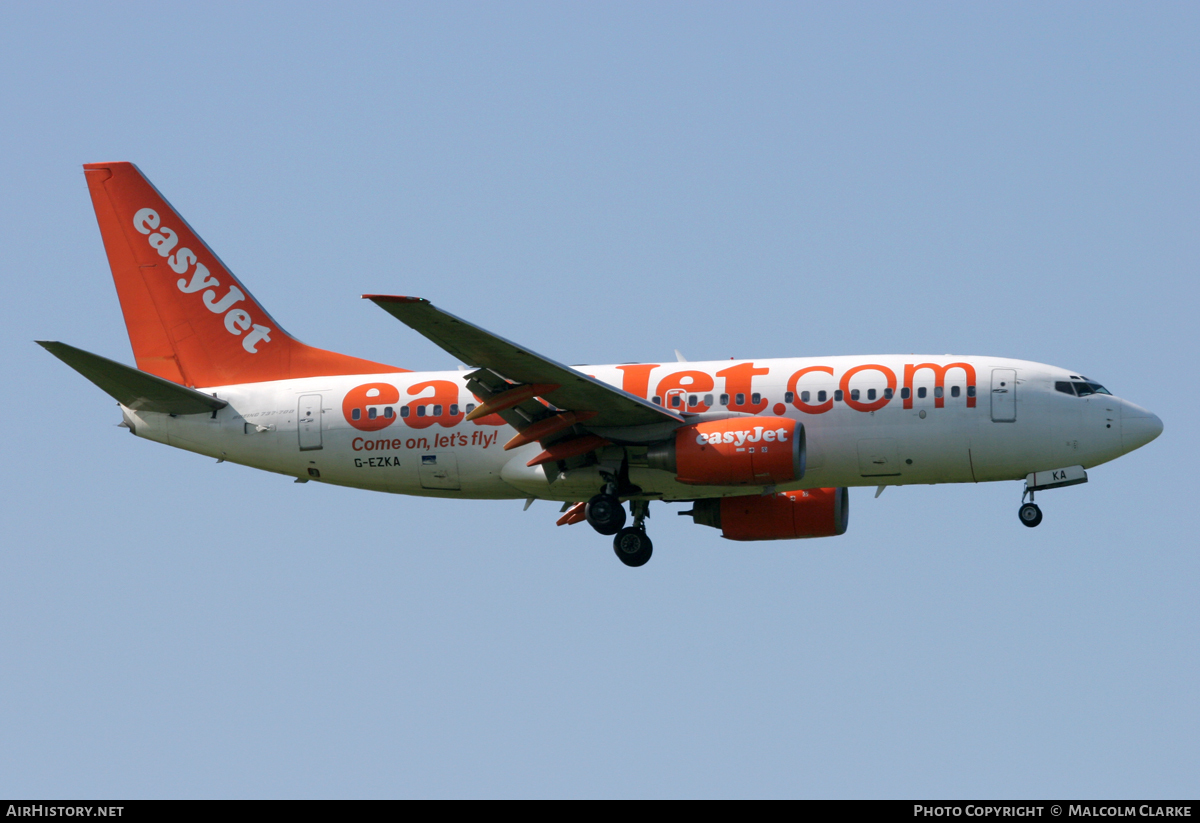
(878, 458)
(439, 471)
(1004, 395)
(308, 422)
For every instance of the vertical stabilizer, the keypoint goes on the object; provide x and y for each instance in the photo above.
(189, 319)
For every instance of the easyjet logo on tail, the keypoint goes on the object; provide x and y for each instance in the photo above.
(237, 320)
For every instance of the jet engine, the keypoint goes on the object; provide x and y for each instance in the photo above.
(809, 513)
(738, 451)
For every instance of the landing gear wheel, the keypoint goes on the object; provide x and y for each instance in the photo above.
(633, 546)
(1030, 515)
(605, 513)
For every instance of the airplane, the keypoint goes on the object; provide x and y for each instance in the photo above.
(761, 449)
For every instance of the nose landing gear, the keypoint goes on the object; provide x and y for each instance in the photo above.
(1029, 513)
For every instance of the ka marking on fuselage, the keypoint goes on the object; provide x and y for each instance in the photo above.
(763, 449)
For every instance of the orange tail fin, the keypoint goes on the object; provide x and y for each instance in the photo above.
(189, 319)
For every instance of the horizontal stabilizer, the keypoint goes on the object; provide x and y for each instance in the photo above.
(131, 387)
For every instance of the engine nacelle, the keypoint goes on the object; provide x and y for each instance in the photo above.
(785, 516)
(736, 451)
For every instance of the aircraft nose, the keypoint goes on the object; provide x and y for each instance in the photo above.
(1138, 426)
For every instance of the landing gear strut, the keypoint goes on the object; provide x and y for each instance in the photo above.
(1029, 513)
(633, 545)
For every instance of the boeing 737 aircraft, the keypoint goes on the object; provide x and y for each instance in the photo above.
(762, 449)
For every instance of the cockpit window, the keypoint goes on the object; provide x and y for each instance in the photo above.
(1085, 387)
(1064, 387)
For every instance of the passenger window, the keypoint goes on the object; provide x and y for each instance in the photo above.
(905, 393)
(854, 394)
(740, 399)
(404, 411)
(356, 414)
(955, 391)
(921, 392)
(453, 409)
(887, 393)
(970, 391)
(821, 395)
(675, 401)
(470, 408)
(372, 413)
(756, 398)
(420, 411)
(656, 400)
(837, 395)
(870, 394)
(804, 396)
(938, 391)
(437, 410)
(693, 400)
(708, 399)
(388, 413)
(724, 400)
(788, 397)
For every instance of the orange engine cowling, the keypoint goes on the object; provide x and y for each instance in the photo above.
(736, 451)
(809, 513)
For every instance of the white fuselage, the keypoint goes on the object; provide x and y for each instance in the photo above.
(892, 422)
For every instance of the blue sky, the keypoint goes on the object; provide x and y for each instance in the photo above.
(606, 183)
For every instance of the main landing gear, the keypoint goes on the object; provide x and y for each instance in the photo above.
(1029, 513)
(633, 545)
(606, 515)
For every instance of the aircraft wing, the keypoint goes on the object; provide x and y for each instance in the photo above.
(134, 388)
(567, 388)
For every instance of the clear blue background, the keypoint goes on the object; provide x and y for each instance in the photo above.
(606, 182)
